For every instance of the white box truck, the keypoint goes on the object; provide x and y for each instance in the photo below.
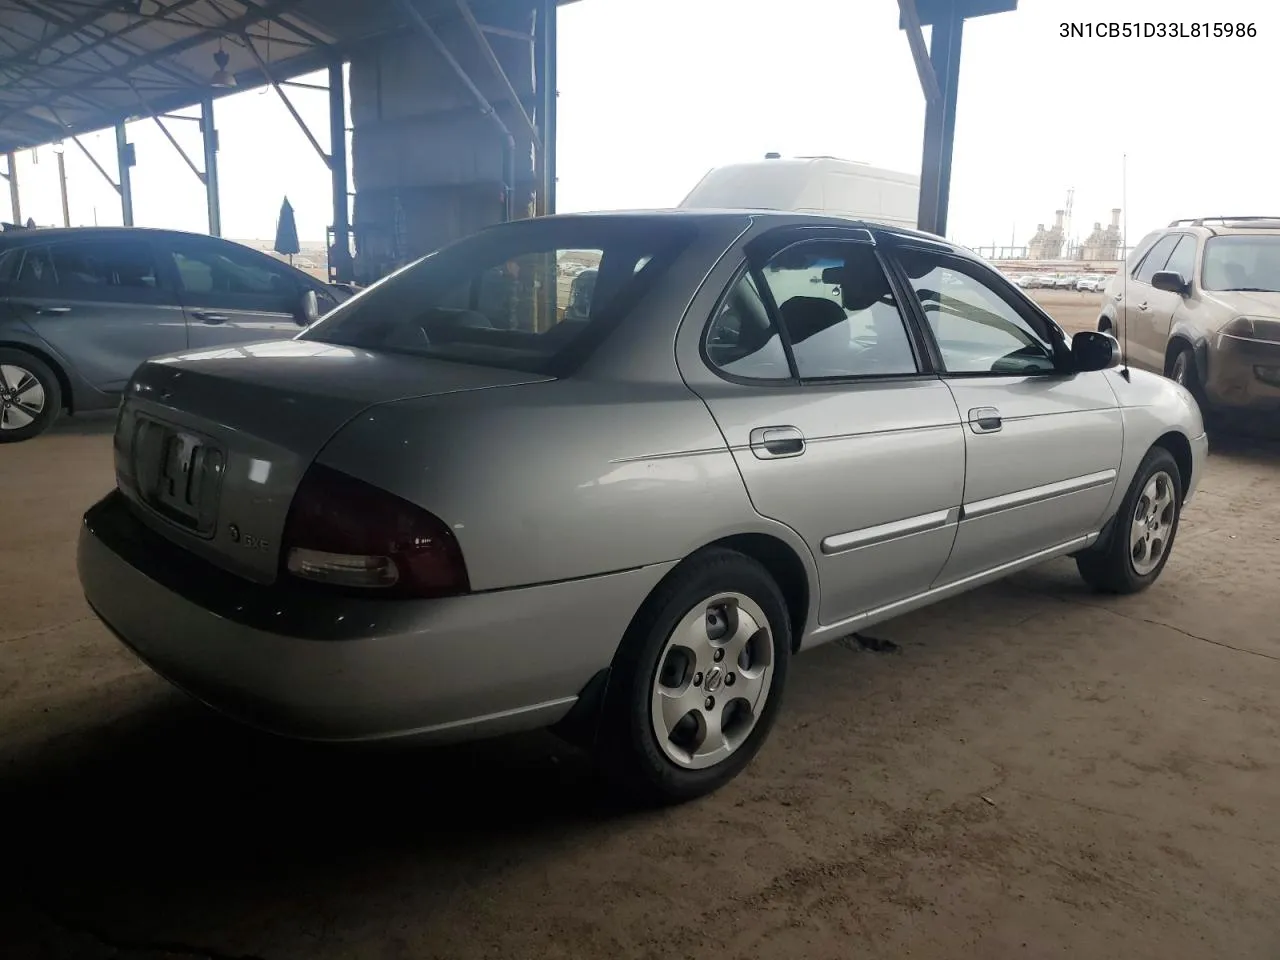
(825, 185)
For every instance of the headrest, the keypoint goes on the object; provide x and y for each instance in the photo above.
(807, 316)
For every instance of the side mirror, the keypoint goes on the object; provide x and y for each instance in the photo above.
(1093, 350)
(1171, 282)
(309, 309)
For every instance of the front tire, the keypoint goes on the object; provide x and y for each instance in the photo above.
(697, 681)
(1143, 532)
(30, 396)
(1184, 371)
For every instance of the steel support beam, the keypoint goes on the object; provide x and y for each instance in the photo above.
(96, 165)
(486, 50)
(62, 184)
(485, 107)
(125, 158)
(940, 123)
(14, 199)
(919, 52)
(288, 104)
(548, 99)
(340, 266)
(210, 137)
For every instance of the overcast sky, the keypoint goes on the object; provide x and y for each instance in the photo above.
(656, 92)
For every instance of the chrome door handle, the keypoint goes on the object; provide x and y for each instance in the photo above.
(207, 316)
(776, 443)
(985, 420)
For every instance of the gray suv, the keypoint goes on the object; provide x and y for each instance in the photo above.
(80, 308)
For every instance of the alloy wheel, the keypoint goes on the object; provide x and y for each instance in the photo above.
(1152, 526)
(712, 681)
(22, 397)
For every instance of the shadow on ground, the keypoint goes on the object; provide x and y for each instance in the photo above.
(174, 819)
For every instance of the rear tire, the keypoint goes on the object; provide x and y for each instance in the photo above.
(697, 681)
(1143, 532)
(30, 396)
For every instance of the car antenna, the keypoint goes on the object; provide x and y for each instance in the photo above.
(1124, 262)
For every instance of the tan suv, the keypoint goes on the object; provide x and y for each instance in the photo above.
(1201, 301)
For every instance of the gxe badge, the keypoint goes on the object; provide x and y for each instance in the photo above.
(247, 540)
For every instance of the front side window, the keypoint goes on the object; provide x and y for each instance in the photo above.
(1154, 261)
(226, 272)
(977, 329)
(1183, 259)
(515, 296)
(1242, 262)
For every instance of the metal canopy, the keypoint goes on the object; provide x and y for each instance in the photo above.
(938, 66)
(72, 66)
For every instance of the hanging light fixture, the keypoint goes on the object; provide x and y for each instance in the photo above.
(222, 77)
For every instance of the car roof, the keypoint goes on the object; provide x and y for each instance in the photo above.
(763, 218)
(1213, 226)
(45, 234)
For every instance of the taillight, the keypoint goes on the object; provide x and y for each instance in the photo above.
(346, 533)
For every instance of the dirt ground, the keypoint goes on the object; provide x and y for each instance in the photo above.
(1029, 771)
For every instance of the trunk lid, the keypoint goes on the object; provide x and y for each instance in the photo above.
(210, 446)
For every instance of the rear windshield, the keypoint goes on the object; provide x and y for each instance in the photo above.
(531, 295)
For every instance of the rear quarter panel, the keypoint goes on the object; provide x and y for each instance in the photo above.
(17, 334)
(560, 480)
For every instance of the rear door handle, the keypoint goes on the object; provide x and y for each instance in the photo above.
(1144, 306)
(777, 443)
(1118, 297)
(37, 308)
(209, 316)
(985, 420)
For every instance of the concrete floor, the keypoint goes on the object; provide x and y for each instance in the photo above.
(1034, 772)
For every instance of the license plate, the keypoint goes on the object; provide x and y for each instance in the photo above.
(179, 475)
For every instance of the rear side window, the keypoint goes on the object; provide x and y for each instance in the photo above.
(836, 306)
(30, 266)
(526, 295)
(116, 269)
(126, 265)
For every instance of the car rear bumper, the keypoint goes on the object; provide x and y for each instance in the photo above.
(305, 664)
(1244, 375)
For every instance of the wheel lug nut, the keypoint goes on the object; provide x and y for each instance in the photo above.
(728, 681)
(718, 655)
(711, 702)
(697, 679)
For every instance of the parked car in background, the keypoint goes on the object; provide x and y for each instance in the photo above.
(1201, 301)
(1090, 283)
(1027, 281)
(80, 308)
(1064, 281)
(389, 525)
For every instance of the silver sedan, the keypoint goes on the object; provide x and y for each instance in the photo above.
(474, 499)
